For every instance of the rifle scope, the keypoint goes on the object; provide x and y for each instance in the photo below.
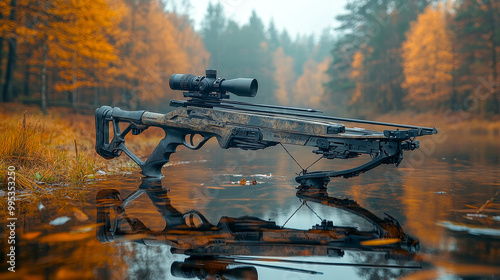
(210, 83)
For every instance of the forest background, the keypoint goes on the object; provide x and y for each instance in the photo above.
(387, 56)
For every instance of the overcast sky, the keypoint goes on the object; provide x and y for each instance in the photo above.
(297, 17)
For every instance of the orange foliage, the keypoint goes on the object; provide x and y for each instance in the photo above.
(428, 58)
(357, 76)
(76, 35)
(309, 87)
(119, 45)
(191, 43)
(284, 76)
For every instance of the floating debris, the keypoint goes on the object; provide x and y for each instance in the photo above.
(244, 182)
(59, 221)
(474, 230)
(267, 176)
(100, 172)
(477, 215)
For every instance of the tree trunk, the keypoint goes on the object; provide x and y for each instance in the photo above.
(493, 11)
(9, 72)
(96, 96)
(73, 92)
(11, 59)
(26, 88)
(44, 79)
(1, 60)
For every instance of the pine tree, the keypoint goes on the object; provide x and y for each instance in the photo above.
(375, 28)
(213, 28)
(477, 43)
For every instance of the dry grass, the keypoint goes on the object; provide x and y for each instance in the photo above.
(41, 150)
(58, 149)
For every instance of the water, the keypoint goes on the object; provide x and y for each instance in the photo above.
(435, 195)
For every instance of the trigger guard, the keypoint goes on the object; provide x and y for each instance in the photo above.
(191, 145)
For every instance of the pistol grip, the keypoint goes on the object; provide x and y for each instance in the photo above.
(161, 155)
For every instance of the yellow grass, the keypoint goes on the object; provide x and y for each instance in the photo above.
(42, 151)
(58, 149)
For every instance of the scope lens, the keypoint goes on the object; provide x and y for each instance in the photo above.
(182, 82)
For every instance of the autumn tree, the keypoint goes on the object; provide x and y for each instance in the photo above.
(428, 58)
(78, 43)
(8, 33)
(284, 76)
(63, 38)
(377, 29)
(358, 76)
(309, 85)
(190, 42)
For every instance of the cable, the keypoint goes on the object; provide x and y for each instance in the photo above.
(313, 212)
(314, 163)
(293, 214)
(292, 157)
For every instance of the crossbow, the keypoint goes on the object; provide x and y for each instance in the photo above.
(235, 124)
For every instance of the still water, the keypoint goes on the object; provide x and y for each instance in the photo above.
(443, 195)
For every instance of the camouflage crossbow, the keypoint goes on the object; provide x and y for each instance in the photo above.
(248, 126)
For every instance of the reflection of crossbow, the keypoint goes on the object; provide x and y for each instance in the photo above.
(251, 126)
(192, 234)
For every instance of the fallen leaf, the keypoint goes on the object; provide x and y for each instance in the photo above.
(31, 235)
(79, 215)
(86, 228)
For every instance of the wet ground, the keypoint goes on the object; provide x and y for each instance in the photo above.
(442, 195)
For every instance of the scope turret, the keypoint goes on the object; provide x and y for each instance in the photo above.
(202, 86)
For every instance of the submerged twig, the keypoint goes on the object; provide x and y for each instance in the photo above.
(486, 203)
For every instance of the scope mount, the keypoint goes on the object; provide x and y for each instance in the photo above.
(202, 93)
(206, 95)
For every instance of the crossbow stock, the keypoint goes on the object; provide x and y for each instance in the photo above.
(249, 126)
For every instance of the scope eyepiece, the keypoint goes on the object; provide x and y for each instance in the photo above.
(211, 84)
